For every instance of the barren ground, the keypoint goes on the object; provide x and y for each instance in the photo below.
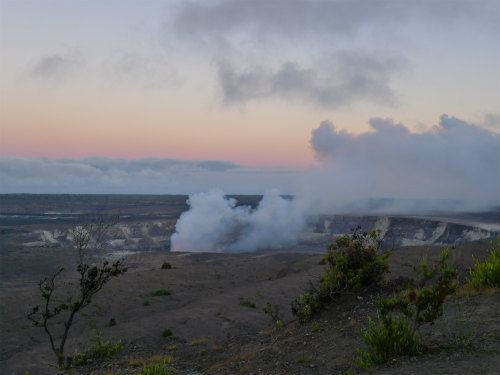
(217, 331)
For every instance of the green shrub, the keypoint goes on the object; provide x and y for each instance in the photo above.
(167, 333)
(351, 261)
(162, 293)
(272, 311)
(304, 359)
(162, 368)
(400, 318)
(308, 304)
(487, 273)
(392, 338)
(99, 350)
(248, 304)
(166, 266)
(315, 327)
(112, 322)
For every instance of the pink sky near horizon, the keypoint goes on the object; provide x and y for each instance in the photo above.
(60, 141)
(141, 85)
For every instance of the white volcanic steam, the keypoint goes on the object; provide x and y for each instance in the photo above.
(214, 223)
(455, 166)
(453, 161)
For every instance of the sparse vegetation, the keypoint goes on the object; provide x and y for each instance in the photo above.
(487, 273)
(163, 368)
(304, 359)
(315, 327)
(99, 349)
(459, 342)
(167, 332)
(352, 261)
(248, 304)
(272, 311)
(87, 238)
(166, 266)
(161, 293)
(400, 317)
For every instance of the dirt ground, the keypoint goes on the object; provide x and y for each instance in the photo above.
(214, 312)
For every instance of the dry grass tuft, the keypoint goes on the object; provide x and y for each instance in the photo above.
(468, 291)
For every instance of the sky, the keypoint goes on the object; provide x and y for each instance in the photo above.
(370, 98)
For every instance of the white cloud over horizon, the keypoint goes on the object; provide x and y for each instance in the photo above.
(95, 175)
(453, 160)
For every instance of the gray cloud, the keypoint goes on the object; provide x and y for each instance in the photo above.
(293, 19)
(453, 160)
(274, 44)
(57, 67)
(492, 122)
(139, 69)
(147, 175)
(344, 77)
(289, 18)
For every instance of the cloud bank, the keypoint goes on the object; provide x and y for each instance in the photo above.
(453, 160)
(95, 175)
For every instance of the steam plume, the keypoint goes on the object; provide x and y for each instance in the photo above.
(455, 166)
(453, 161)
(215, 224)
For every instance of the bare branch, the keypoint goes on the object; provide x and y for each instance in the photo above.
(87, 237)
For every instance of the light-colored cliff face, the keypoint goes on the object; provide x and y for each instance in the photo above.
(136, 235)
(401, 231)
(154, 235)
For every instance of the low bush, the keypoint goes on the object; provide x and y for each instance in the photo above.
(166, 266)
(167, 333)
(309, 303)
(351, 262)
(162, 368)
(487, 273)
(400, 317)
(112, 322)
(272, 311)
(248, 304)
(304, 359)
(393, 338)
(162, 293)
(99, 349)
